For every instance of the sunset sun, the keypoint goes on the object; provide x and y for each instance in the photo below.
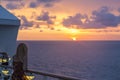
(74, 33)
(74, 38)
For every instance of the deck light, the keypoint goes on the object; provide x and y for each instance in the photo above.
(5, 71)
(30, 76)
(4, 59)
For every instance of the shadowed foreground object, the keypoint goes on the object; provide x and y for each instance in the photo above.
(18, 73)
(20, 63)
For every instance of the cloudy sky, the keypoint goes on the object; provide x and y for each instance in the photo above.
(66, 19)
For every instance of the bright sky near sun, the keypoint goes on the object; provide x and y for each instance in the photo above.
(66, 19)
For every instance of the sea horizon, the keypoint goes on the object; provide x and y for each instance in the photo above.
(68, 40)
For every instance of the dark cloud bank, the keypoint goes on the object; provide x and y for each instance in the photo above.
(26, 23)
(46, 17)
(13, 6)
(45, 3)
(35, 3)
(101, 18)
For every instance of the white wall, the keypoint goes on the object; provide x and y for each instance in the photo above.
(8, 36)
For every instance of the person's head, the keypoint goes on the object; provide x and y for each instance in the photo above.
(22, 48)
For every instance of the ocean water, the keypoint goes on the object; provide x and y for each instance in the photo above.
(86, 60)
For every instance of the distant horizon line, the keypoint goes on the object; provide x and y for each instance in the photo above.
(68, 40)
